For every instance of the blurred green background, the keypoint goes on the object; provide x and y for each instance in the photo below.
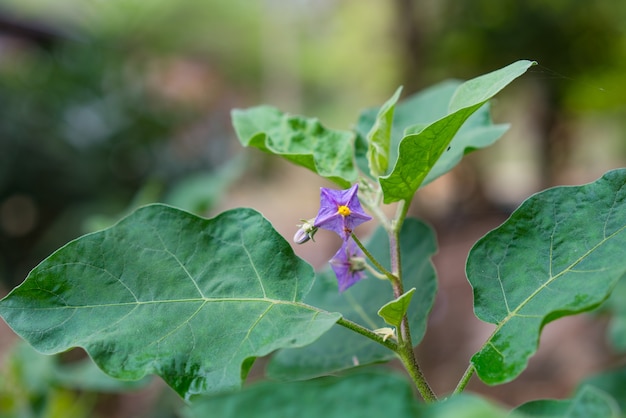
(106, 105)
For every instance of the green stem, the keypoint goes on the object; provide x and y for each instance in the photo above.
(469, 372)
(394, 247)
(401, 212)
(404, 347)
(404, 351)
(390, 344)
(369, 255)
(378, 214)
(405, 343)
(372, 204)
(407, 355)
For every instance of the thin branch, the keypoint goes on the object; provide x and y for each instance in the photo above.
(353, 326)
(369, 255)
(469, 372)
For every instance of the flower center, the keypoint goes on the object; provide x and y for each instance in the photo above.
(357, 263)
(344, 210)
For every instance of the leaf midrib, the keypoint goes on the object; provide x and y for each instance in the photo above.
(189, 300)
(569, 268)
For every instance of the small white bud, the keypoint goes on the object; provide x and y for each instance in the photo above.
(386, 333)
(306, 231)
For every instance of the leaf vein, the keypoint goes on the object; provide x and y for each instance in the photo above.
(555, 277)
(250, 329)
(190, 300)
(179, 326)
(253, 265)
(195, 283)
(171, 253)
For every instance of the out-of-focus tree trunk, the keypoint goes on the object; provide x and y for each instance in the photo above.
(409, 36)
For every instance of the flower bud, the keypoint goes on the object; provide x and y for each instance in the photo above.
(306, 232)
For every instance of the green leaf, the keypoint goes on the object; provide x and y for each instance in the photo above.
(616, 306)
(612, 382)
(369, 394)
(35, 374)
(342, 349)
(589, 402)
(418, 153)
(484, 87)
(464, 405)
(379, 137)
(476, 133)
(302, 141)
(418, 111)
(163, 291)
(422, 108)
(560, 253)
(393, 312)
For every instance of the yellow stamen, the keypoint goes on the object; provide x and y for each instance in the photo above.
(344, 210)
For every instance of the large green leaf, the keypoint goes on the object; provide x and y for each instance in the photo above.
(560, 253)
(303, 141)
(341, 349)
(362, 395)
(588, 402)
(419, 152)
(163, 291)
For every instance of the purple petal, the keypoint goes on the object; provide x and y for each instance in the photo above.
(328, 216)
(342, 266)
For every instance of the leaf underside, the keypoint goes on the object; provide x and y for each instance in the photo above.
(560, 253)
(166, 292)
(303, 141)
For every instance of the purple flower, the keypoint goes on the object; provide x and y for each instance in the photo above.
(348, 264)
(340, 211)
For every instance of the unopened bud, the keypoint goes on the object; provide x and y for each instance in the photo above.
(306, 232)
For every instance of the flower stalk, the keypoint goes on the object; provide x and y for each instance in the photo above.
(374, 261)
